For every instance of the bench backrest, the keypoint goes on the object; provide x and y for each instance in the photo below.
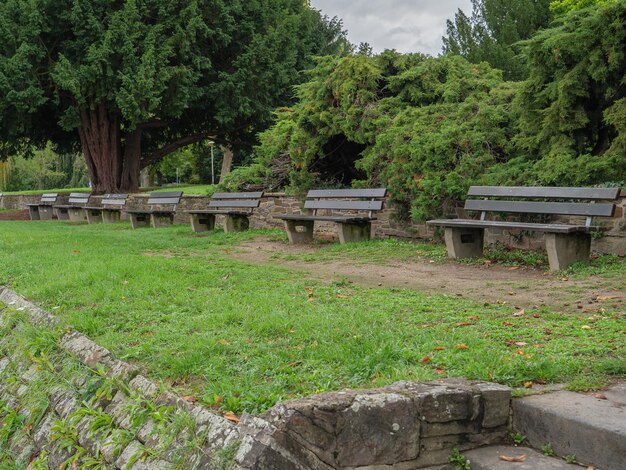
(79, 198)
(346, 199)
(249, 200)
(171, 198)
(562, 204)
(48, 199)
(114, 200)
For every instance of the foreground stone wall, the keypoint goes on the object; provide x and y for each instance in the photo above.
(67, 402)
(612, 241)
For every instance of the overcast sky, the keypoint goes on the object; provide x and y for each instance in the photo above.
(404, 25)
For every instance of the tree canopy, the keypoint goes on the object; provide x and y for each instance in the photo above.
(493, 29)
(130, 81)
(428, 128)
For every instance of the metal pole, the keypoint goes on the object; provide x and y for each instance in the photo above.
(212, 167)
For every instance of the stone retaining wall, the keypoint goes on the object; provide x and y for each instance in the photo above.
(613, 240)
(64, 400)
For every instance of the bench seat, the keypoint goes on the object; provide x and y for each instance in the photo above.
(329, 218)
(473, 223)
(565, 243)
(352, 226)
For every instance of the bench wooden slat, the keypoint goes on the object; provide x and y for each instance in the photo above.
(344, 205)
(48, 198)
(235, 203)
(558, 208)
(544, 192)
(329, 218)
(79, 198)
(247, 195)
(347, 193)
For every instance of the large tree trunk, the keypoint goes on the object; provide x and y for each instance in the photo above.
(227, 162)
(113, 165)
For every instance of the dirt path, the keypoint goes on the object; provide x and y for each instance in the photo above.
(518, 287)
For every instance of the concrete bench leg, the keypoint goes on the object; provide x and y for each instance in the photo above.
(139, 220)
(299, 231)
(34, 212)
(77, 215)
(202, 222)
(45, 212)
(566, 248)
(464, 242)
(62, 214)
(161, 220)
(236, 223)
(94, 216)
(349, 233)
(110, 217)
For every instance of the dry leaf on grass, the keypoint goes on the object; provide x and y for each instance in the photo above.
(520, 313)
(461, 346)
(515, 458)
(230, 416)
(189, 398)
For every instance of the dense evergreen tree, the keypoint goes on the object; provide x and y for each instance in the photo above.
(573, 106)
(130, 81)
(493, 29)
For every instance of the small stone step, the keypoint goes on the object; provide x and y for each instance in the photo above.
(592, 428)
(488, 458)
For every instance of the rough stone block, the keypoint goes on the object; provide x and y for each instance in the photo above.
(128, 454)
(85, 349)
(145, 386)
(448, 404)
(496, 404)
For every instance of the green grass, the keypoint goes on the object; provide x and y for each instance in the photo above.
(41, 191)
(188, 189)
(243, 336)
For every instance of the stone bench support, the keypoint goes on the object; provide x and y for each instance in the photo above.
(202, 222)
(161, 219)
(567, 248)
(45, 212)
(350, 233)
(76, 214)
(138, 220)
(462, 242)
(299, 231)
(62, 213)
(110, 216)
(94, 216)
(236, 223)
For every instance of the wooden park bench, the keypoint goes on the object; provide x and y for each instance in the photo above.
(43, 210)
(345, 207)
(236, 208)
(74, 210)
(160, 211)
(109, 211)
(565, 242)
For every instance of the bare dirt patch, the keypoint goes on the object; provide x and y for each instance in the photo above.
(518, 287)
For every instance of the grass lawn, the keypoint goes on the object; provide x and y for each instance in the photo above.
(243, 336)
(191, 189)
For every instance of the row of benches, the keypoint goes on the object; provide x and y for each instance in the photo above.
(352, 210)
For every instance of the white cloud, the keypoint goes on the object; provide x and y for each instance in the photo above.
(404, 25)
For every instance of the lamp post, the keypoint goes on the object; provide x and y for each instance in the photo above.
(212, 144)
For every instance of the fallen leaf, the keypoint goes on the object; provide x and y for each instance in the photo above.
(528, 384)
(461, 346)
(520, 352)
(607, 297)
(339, 296)
(520, 313)
(585, 327)
(513, 268)
(189, 398)
(75, 251)
(508, 323)
(230, 416)
(294, 364)
(516, 458)
(600, 396)
(473, 317)
(438, 349)
(463, 323)
(520, 343)
(223, 342)
(439, 371)
(426, 359)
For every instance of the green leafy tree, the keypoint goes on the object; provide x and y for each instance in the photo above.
(573, 107)
(131, 81)
(424, 127)
(493, 29)
(560, 7)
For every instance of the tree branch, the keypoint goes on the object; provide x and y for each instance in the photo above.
(172, 147)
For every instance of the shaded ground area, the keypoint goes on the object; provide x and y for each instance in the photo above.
(520, 287)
